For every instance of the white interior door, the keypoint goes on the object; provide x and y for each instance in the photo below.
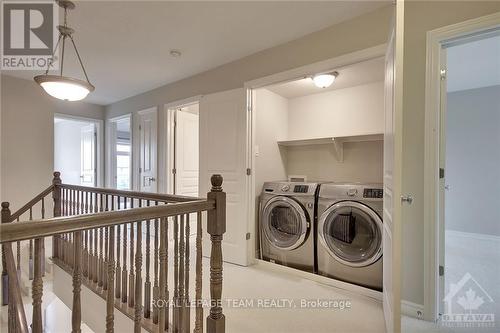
(392, 192)
(148, 132)
(186, 153)
(112, 153)
(88, 155)
(223, 151)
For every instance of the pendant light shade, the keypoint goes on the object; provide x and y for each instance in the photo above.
(60, 86)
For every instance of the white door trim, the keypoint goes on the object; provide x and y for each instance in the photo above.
(435, 41)
(289, 75)
(99, 123)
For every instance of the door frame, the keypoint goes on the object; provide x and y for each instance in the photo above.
(99, 125)
(433, 248)
(289, 75)
(167, 141)
(110, 161)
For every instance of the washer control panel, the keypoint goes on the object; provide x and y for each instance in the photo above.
(373, 193)
(300, 189)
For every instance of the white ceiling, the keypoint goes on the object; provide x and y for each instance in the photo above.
(474, 65)
(125, 44)
(349, 76)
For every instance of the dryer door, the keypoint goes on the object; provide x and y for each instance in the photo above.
(351, 232)
(285, 222)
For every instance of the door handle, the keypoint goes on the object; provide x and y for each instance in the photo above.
(447, 187)
(153, 179)
(407, 199)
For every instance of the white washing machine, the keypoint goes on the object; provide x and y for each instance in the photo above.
(286, 224)
(349, 242)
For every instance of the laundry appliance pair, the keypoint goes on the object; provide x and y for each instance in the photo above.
(332, 229)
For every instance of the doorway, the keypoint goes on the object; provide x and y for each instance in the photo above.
(462, 184)
(120, 145)
(77, 150)
(471, 188)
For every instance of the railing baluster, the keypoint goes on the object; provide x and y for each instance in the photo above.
(175, 305)
(18, 259)
(198, 328)
(138, 280)
(37, 288)
(156, 290)
(118, 267)
(163, 310)
(43, 243)
(101, 244)
(216, 227)
(147, 284)
(30, 259)
(110, 302)
(124, 270)
(131, 277)
(186, 305)
(182, 304)
(76, 313)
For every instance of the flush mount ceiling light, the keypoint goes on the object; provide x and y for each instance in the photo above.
(60, 86)
(324, 80)
(175, 53)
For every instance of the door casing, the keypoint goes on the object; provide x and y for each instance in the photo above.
(434, 111)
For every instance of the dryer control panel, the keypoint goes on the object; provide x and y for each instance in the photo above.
(300, 189)
(373, 193)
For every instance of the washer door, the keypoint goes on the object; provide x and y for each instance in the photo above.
(284, 222)
(351, 232)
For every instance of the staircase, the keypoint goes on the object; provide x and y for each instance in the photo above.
(115, 243)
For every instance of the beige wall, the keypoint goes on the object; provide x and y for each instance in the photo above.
(27, 137)
(420, 17)
(357, 34)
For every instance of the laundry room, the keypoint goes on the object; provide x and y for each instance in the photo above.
(316, 130)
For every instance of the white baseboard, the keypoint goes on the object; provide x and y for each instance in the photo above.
(411, 309)
(472, 235)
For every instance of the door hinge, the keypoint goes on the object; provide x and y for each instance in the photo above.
(441, 270)
(249, 108)
(248, 236)
(443, 74)
(140, 170)
(140, 127)
(174, 171)
(249, 171)
(441, 173)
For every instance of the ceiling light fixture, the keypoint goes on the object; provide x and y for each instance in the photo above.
(175, 53)
(324, 80)
(59, 86)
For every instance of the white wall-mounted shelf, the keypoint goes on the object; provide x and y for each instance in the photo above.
(337, 141)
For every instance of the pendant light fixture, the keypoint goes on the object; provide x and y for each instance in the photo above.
(60, 86)
(324, 80)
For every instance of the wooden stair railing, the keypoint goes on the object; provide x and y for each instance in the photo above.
(103, 238)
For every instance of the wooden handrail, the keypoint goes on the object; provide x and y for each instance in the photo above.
(31, 203)
(48, 227)
(132, 194)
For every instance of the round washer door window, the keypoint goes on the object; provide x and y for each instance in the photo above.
(352, 233)
(284, 222)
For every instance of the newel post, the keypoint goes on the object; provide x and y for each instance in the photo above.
(56, 196)
(5, 277)
(216, 227)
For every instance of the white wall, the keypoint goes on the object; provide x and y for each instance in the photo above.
(473, 160)
(421, 17)
(349, 111)
(28, 137)
(363, 162)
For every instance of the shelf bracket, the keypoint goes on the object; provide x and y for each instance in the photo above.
(338, 145)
